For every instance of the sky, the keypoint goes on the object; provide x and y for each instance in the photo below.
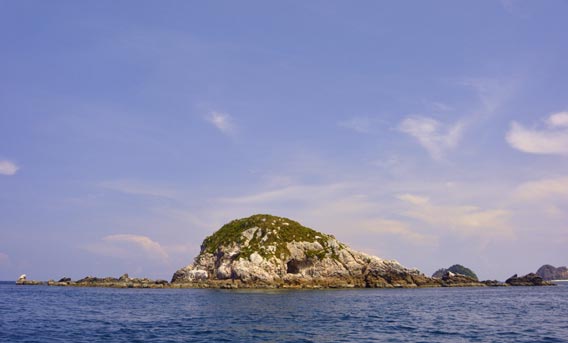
(430, 132)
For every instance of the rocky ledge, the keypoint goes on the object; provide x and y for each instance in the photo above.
(122, 282)
(23, 280)
(264, 251)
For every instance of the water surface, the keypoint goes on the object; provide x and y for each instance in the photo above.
(65, 314)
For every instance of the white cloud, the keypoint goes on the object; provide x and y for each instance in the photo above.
(559, 119)
(222, 121)
(540, 189)
(8, 167)
(137, 188)
(394, 227)
(552, 140)
(129, 247)
(468, 220)
(434, 136)
(145, 243)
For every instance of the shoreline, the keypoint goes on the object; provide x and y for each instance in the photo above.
(237, 284)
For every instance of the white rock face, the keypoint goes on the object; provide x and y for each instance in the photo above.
(302, 261)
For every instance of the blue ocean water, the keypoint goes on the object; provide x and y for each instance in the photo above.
(54, 314)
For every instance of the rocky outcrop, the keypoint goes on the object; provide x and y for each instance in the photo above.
(450, 279)
(528, 280)
(269, 251)
(23, 280)
(549, 273)
(122, 282)
(456, 269)
(494, 283)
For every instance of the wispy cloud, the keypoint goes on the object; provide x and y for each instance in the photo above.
(4, 259)
(435, 137)
(541, 189)
(357, 124)
(468, 220)
(559, 119)
(440, 106)
(398, 228)
(336, 207)
(222, 121)
(289, 193)
(8, 167)
(129, 246)
(143, 242)
(493, 93)
(414, 199)
(552, 139)
(512, 7)
(138, 188)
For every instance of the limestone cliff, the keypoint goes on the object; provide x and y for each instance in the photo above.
(269, 251)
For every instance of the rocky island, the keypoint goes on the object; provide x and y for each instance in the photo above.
(456, 269)
(550, 273)
(265, 251)
(269, 251)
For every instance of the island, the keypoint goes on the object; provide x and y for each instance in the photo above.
(551, 273)
(266, 251)
(456, 269)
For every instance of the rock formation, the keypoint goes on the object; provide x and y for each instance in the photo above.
(269, 251)
(549, 273)
(450, 279)
(456, 269)
(122, 282)
(528, 280)
(23, 280)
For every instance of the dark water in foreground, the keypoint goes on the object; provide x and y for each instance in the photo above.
(53, 314)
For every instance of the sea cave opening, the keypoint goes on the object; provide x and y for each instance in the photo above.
(292, 267)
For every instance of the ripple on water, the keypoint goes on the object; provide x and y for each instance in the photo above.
(40, 314)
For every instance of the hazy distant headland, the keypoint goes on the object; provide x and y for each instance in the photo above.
(266, 251)
(550, 273)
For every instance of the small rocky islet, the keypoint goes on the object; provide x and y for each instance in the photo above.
(550, 273)
(265, 251)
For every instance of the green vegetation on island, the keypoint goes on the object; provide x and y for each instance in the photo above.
(456, 269)
(269, 239)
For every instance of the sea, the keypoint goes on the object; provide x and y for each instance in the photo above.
(66, 314)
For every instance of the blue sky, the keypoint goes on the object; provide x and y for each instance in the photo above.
(431, 132)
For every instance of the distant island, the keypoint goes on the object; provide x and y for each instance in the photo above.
(456, 269)
(265, 251)
(549, 273)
